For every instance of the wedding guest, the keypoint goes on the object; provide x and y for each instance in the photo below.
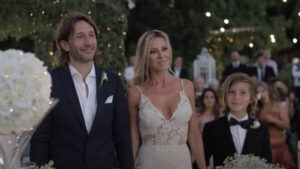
(179, 70)
(209, 107)
(213, 84)
(235, 67)
(236, 132)
(162, 109)
(209, 111)
(261, 71)
(267, 55)
(199, 84)
(91, 115)
(275, 116)
(129, 71)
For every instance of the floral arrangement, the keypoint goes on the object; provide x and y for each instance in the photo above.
(25, 87)
(247, 162)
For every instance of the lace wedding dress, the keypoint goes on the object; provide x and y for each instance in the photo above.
(164, 140)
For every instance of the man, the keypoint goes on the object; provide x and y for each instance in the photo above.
(91, 116)
(199, 84)
(267, 55)
(261, 71)
(180, 71)
(235, 66)
(129, 71)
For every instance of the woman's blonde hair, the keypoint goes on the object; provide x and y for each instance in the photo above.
(141, 68)
(232, 79)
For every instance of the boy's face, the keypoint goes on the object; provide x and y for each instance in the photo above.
(238, 98)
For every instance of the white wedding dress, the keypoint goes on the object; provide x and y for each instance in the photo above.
(164, 140)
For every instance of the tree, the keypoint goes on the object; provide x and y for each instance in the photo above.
(35, 22)
(190, 27)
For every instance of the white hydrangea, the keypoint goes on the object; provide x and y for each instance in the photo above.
(247, 162)
(25, 87)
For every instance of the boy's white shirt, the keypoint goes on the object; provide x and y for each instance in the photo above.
(238, 133)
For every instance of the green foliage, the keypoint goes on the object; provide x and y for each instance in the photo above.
(190, 30)
(37, 20)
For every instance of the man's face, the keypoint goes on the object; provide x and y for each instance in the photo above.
(199, 84)
(235, 56)
(178, 62)
(82, 44)
(261, 60)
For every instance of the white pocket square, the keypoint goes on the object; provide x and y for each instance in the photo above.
(109, 99)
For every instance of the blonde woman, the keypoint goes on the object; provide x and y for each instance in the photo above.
(162, 110)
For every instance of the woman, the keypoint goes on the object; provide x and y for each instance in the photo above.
(209, 111)
(272, 113)
(209, 107)
(162, 109)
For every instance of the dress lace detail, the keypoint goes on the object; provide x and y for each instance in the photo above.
(164, 140)
(156, 129)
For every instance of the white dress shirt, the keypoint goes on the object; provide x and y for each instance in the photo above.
(238, 133)
(177, 71)
(236, 64)
(296, 74)
(86, 92)
(129, 73)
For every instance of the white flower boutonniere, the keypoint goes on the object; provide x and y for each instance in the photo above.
(103, 78)
(255, 125)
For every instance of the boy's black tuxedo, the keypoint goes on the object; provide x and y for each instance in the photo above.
(218, 141)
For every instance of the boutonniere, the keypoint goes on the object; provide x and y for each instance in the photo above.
(103, 78)
(255, 125)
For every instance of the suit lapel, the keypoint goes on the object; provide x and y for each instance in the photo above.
(250, 136)
(228, 135)
(69, 88)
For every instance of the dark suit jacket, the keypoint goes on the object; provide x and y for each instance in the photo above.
(229, 69)
(269, 72)
(63, 137)
(184, 74)
(218, 141)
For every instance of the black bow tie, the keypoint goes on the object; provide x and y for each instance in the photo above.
(245, 123)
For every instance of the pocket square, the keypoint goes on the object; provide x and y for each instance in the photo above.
(109, 99)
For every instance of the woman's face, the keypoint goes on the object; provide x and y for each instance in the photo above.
(209, 99)
(262, 92)
(159, 55)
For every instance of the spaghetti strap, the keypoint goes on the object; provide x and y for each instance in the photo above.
(182, 84)
(139, 89)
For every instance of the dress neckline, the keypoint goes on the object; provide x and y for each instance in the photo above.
(160, 111)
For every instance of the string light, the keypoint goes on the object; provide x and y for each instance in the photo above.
(31, 14)
(119, 73)
(207, 14)
(108, 28)
(299, 14)
(89, 12)
(222, 29)
(251, 45)
(108, 45)
(124, 33)
(295, 40)
(43, 12)
(284, 1)
(51, 53)
(226, 21)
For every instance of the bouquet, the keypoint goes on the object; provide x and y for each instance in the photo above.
(246, 162)
(25, 87)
